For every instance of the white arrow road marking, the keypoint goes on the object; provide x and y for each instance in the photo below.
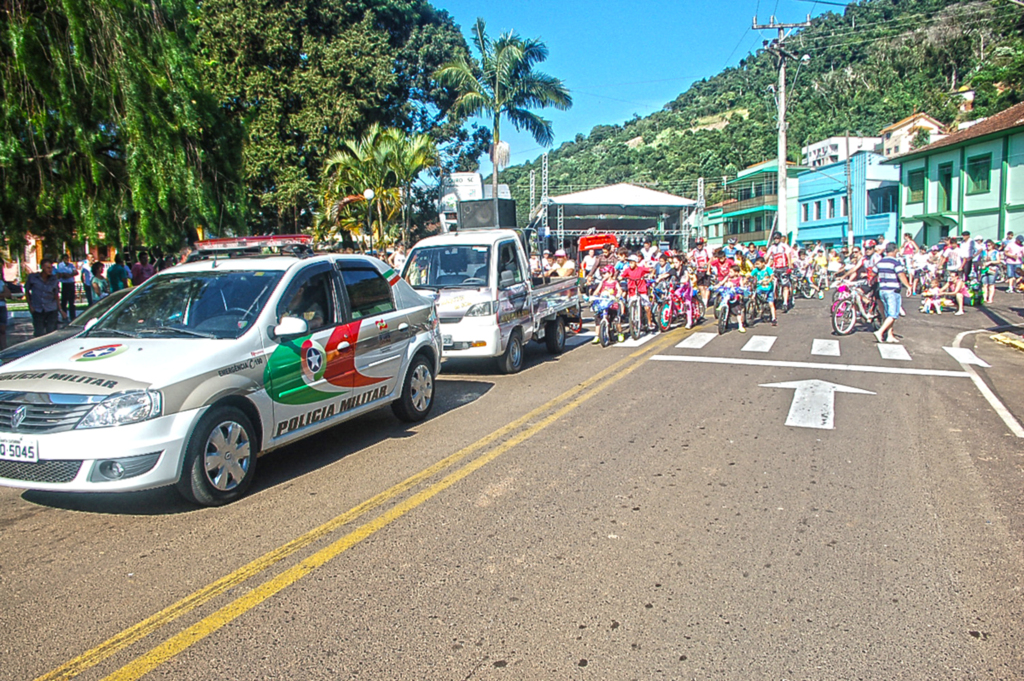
(893, 352)
(814, 402)
(825, 348)
(697, 340)
(966, 356)
(759, 344)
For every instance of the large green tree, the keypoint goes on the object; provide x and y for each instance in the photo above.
(503, 82)
(105, 126)
(306, 75)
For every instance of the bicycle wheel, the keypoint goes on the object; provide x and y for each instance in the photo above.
(634, 318)
(701, 308)
(844, 317)
(804, 288)
(665, 316)
(766, 310)
(604, 333)
(722, 311)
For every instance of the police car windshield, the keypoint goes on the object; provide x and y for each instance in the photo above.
(448, 266)
(192, 305)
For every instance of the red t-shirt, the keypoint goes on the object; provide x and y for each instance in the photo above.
(779, 256)
(721, 267)
(636, 279)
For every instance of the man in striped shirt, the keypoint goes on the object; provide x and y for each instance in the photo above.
(891, 273)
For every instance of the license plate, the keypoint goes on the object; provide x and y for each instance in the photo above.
(446, 340)
(18, 449)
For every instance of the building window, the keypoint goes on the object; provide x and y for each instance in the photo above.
(882, 200)
(915, 186)
(758, 224)
(831, 208)
(804, 212)
(817, 210)
(844, 208)
(946, 187)
(979, 170)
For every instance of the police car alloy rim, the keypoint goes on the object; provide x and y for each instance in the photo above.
(227, 456)
(422, 387)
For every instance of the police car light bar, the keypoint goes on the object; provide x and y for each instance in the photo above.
(254, 242)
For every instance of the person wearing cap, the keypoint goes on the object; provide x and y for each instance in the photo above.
(781, 260)
(636, 284)
(968, 250)
(609, 287)
(546, 262)
(891, 274)
(730, 249)
(563, 266)
(700, 259)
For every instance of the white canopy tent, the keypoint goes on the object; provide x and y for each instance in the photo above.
(627, 210)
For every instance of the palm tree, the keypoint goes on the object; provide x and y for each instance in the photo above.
(409, 156)
(362, 164)
(504, 83)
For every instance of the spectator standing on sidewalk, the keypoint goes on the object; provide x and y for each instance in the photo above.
(99, 284)
(5, 294)
(891, 273)
(67, 272)
(142, 270)
(118, 274)
(43, 290)
(85, 267)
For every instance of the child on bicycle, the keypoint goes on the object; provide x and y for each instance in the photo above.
(636, 285)
(609, 287)
(733, 285)
(763, 278)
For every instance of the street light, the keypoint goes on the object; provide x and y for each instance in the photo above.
(368, 195)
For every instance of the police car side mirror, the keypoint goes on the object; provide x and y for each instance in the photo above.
(291, 327)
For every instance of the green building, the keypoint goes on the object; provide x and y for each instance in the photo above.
(751, 217)
(972, 180)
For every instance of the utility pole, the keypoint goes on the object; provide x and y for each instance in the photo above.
(699, 218)
(776, 48)
(849, 196)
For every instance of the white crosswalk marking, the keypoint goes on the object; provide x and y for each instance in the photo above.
(891, 351)
(697, 340)
(630, 343)
(759, 344)
(825, 347)
(966, 356)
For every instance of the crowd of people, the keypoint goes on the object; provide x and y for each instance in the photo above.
(944, 275)
(54, 291)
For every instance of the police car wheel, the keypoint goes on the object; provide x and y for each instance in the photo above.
(220, 461)
(417, 392)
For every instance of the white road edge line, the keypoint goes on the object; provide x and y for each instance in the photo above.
(1011, 422)
(812, 365)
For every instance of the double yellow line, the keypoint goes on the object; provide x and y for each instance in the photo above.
(571, 398)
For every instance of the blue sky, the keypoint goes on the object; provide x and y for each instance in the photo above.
(619, 58)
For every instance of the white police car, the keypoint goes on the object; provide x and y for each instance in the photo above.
(210, 363)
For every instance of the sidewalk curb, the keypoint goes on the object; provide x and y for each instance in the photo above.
(1010, 340)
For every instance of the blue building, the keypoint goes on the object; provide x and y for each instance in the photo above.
(825, 208)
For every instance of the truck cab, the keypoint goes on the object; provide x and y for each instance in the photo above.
(487, 302)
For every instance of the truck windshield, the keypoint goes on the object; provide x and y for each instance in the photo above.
(439, 267)
(191, 305)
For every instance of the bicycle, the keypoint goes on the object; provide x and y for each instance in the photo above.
(730, 302)
(679, 302)
(850, 304)
(604, 308)
(758, 308)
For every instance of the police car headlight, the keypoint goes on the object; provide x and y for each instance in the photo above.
(124, 409)
(482, 309)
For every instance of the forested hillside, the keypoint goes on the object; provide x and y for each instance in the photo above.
(871, 65)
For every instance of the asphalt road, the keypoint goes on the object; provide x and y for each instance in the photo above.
(621, 513)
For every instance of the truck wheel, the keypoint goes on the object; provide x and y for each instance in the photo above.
(554, 336)
(417, 392)
(220, 459)
(512, 361)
